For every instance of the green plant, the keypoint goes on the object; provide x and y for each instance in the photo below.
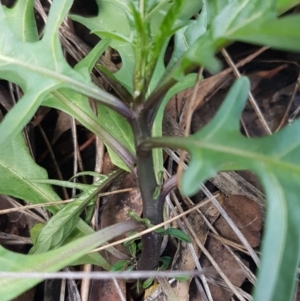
(134, 247)
(134, 127)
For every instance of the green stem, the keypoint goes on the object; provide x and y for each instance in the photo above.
(170, 142)
(155, 99)
(152, 208)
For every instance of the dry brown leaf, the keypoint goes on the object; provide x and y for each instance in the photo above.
(246, 214)
(183, 259)
(178, 106)
(115, 211)
(229, 266)
(231, 183)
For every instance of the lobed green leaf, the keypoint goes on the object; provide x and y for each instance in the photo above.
(278, 33)
(275, 159)
(17, 168)
(25, 29)
(251, 21)
(39, 67)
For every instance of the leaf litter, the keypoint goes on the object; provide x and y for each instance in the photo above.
(248, 214)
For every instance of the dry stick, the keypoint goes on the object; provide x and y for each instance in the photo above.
(251, 98)
(77, 160)
(118, 288)
(245, 128)
(221, 283)
(40, 9)
(283, 120)
(81, 148)
(100, 275)
(191, 247)
(86, 283)
(192, 250)
(188, 127)
(207, 254)
(221, 75)
(78, 163)
(73, 288)
(294, 115)
(200, 289)
(148, 230)
(76, 154)
(216, 266)
(165, 239)
(54, 160)
(169, 221)
(227, 244)
(99, 145)
(33, 215)
(167, 289)
(13, 87)
(233, 226)
(59, 202)
(23, 208)
(62, 290)
(238, 233)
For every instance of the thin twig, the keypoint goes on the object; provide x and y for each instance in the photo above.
(251, 98)
(101, 275)
(5, 211)
(150, 229)
(76, 154)
(188, 126)
(86, 283)
(191, 247)
(226, 217)
(58, 171)
(284, 118)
